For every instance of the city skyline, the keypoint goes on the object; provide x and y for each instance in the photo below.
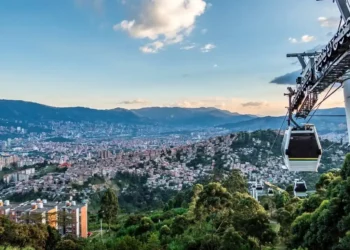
(131, 54)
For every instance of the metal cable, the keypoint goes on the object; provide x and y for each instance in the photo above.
(279, 131)
(324, 99)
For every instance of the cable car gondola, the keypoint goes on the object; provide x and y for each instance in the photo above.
(270, 192)
(259, 189)
(300, 188)
(301, 149)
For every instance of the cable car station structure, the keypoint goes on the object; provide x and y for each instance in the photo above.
(301, 148)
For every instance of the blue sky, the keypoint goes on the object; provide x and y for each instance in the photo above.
(211, 53)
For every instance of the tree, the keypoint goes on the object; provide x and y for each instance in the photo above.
(257, 226)
(179, 225)
(146, 224)
(281, 199)
(233, 238)
(344, 242)
(210, 242)
(300, 228)
(164, 231)
(52, 239)
(290, 190)
(153, 243)
(67, 245)
(345, 171)
(212, 199)
(21, 235)
(128, 243)
(197, 189)
(109, 207)
(235, 182)
(38, 236)
(133, 220)
(7, 232)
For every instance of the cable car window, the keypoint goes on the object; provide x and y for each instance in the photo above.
(303, 146)
(300, 188)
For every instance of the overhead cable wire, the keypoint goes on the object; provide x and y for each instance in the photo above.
(331, 115)
(279, 131)
(324, 99)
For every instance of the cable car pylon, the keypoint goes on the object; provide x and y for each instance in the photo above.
(323, 69)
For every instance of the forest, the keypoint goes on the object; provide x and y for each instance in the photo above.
(216, 215)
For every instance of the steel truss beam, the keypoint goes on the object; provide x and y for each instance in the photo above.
(324, 68)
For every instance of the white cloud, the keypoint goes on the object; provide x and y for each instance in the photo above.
(215, 66)
(188, 47)
(303, 39)
(254, 104)
(307, 38)
(132, 102)
(152, 48)
(328, 22)
(204, 31)
(241, 105)
(168, 22)
(292, 40)
(208, 47)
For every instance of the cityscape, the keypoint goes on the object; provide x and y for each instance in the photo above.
(175, 125)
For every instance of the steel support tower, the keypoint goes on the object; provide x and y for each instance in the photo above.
(324, 68)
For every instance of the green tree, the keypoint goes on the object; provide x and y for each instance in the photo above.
(6, 231)
(344, 242)
(214, 198)
(232, 238)
(210, 242)
(164, 230)
(257, 226)
(290, 190)
(179, 225)
(21, 235)
(52, 239)
(38, 236)
(300, 227)
(109, 207)
(281, 199)
(128, 243)
(197, 189)
(236, 182)
(146, 224)
(345, 171)
(67, 245)
(153, 243)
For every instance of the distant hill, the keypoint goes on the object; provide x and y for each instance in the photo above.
(185, 117)
(29, 111)
(324, 123)
(191, 116)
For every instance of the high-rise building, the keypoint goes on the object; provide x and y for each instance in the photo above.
(67, 217)
(105, 154)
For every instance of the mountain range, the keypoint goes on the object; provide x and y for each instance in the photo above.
(29, 111)
(168, 116)
(326, 120)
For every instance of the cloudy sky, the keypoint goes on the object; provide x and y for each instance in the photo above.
(135, 53)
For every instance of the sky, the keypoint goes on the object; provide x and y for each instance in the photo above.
(137, 53)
